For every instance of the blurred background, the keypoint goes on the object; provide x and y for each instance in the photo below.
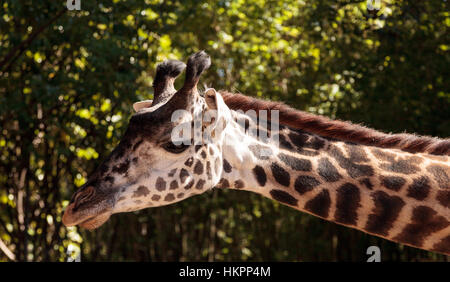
(68, 80)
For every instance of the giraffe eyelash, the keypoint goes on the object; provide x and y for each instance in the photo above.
(176, 149)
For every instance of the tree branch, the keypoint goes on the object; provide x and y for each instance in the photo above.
(7, 251)
(24, 44)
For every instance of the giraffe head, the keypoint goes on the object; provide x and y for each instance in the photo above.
(171, 150)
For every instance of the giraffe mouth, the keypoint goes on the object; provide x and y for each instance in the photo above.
(95, 221)
(85, 220)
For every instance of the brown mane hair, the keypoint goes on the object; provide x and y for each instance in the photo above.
(342, 130)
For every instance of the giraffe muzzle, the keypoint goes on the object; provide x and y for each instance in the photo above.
(89, 209)
(71, 218)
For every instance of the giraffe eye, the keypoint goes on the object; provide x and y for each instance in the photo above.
(170, 147)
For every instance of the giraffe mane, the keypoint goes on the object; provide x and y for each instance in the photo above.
(337, 129)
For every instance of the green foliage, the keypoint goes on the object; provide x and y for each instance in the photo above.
(68, 80)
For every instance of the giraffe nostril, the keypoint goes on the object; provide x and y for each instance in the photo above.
(82, 196)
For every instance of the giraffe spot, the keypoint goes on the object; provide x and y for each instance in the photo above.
(295, 163)
(419, 189)
(119, 151)
(366, 182)
(284, 144)
(407, 165)
(442, 246)
(189, 185)
(306, 144)
(183, 175)
(141, 191)
(328, 171)
(208, 170)
(386, 210)
(239, 184)
(122, 168)
(135, 146)
(226, 166)
(109, 179)
(260, 175)
(425, 221)
(261, 152)
(200, 184)
(383, 155)
(173, 185)
(198, 169)
(137, 202)
(121, 199)
(223, 183)
(189, 162)
(280, 175)
(305, 140)
(305, 183)
(203, 154)
(356, 153)
(317, 143)
(169, 197)
(172, 172)
(283, 197)
(197, 147)
(156, 198)
(211, 150)
(160, 184)
(320, 204)
(347, 204)
(353, 169)
(440, 175)
(400, 166)
(443, 198)
(393, 183)
(213, 132)
(180, 195)
(307, 152)
(103, 168)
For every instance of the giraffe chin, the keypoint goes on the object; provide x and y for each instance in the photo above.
(95, 222)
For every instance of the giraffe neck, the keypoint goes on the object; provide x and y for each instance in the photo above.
(389, 193)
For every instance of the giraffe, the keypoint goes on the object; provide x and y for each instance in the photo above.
(395, 186)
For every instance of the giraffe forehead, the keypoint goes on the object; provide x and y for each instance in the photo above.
(154, 123)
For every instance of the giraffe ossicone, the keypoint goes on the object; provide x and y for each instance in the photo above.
(329, 169)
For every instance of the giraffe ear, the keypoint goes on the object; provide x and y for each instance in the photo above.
(217, 109)
(211, 98)
(142, 104)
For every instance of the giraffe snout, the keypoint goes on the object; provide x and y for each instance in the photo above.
(89, 208)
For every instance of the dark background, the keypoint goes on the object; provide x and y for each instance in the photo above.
(68, 80)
